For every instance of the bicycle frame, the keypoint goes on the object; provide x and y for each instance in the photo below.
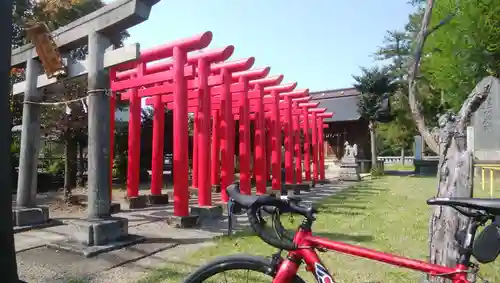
(289, 266)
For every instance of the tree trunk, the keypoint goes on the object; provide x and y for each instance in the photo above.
(70, 155)
(402, 156)
(373, 146)
(81, 164)
(445, 222)
(455, 177)
(455, 161)
(414, 104)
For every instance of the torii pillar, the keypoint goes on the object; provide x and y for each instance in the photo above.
(260, 139)
(289, 133)
(307, 140)
(321, 145)
(224, 70)
(315, 141)
(276, 161)
(194, 166)
(297, 142)
(286, 107)
(244, 125)
(215, 151)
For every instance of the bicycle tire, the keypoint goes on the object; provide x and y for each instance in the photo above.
(235, 262)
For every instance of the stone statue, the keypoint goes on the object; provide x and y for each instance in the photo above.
(354, 150)
(347, 149)
(349, 166)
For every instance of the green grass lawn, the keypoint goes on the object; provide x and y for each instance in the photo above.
(388, 214)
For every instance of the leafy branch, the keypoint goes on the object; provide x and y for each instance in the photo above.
(415, 105)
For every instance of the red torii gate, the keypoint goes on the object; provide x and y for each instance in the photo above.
(236, 88)
(269, 102)
(173, 81)
(315, 117)
(237, 111)
(260, 131)
(244, 130)
(307, 138)
(296, 112)
(224, 91)
(233, 66)
(270, 105)
(201, 100)
(200, 83)
(275, 129)
(289, 135)
(253, 97)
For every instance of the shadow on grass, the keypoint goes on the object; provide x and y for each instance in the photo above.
(398, 173)
(351, 201)
(174, 272)
(352, 198)
(329, 235)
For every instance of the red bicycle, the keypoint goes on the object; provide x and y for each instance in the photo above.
(303, 245)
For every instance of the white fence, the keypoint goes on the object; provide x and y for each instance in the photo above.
(399, 159)
(396, 159)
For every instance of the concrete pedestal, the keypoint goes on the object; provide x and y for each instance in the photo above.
(137, 202)
(210, 212)
(349, 170)
(292, 189)
(305, 187)
(183, 221)
(92, 237)
(26, 218)
(157, 199)
(311, 183)
(426, 167)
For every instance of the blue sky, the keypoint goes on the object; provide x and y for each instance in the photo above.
(317, 43)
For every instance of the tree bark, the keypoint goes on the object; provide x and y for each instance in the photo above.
(455, 177)
(414, 104)
(373, 146)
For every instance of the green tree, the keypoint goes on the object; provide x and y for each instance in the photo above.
(465, 50)
(374, 86)
(396, 135)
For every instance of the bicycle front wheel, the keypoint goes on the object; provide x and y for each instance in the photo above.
(236, 268)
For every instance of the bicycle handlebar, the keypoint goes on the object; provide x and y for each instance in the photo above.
(269, 204)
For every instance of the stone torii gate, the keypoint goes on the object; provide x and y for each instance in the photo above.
(93, 30)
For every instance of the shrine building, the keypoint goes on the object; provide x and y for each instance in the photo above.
(346, 124)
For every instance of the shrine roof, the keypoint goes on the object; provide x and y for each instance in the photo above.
(343, 102)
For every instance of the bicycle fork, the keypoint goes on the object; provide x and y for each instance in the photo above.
(287, 268)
